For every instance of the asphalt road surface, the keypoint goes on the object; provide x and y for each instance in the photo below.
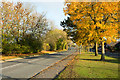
(26, 68)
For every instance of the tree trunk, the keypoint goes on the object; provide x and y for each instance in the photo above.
(66, 46)
(96, 49)
(103, 52)
(55, 47)
(79, 50)
(88, 49)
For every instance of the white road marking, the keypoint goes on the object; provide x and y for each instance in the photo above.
(18, 64)
(11, 66)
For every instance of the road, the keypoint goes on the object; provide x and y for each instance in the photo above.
(26, 68)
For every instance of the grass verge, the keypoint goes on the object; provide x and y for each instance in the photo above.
(87, 65)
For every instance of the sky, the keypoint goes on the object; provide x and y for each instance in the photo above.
(52, 8)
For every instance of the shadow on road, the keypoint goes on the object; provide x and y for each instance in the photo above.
(46, 56)
(3, 76)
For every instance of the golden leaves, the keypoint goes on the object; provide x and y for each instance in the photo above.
(98, 24)
(93, 27)
(94, 18)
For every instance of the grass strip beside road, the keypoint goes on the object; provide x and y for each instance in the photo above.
(87, 65)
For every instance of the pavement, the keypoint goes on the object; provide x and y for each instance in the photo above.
(28, 67)
(2, 61)
(53, 71)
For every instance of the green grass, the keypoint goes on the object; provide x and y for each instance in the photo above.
(87, 65)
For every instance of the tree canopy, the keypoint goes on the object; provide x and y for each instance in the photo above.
(92, 21)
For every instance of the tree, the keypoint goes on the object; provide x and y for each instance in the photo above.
(13, 17)
(95, 21)
(72, 32)
(18, 23)
(56, 39)
(39, 25)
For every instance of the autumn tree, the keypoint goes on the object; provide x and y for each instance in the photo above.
(96, 20)
(13, 16)
(69, 28)
(57, 39)
(72, 31)
(19, 26)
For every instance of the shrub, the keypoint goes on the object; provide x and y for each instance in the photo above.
(46, 46)
(59, 44)
(52, 46)
(25, 49)
(31, 44)
(11, 48)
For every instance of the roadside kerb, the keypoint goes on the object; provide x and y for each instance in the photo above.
(2, 61)
(53, 65)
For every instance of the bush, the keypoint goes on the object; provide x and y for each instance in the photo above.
(28, 44)
(59, 44)
(11, 48)
(52, 47)
(46, 46)
(31, 43)
(36, 45)
(25, 49)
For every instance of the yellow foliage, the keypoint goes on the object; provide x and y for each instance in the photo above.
(95, 19)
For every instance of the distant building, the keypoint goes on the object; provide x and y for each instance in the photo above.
(117, 46)
(114, 46)
(113, 43)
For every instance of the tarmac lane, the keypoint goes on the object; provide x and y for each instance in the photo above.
(26, 68)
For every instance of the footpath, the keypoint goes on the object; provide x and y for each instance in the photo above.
(53, 71)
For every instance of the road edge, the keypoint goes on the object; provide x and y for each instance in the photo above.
(54, 64)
